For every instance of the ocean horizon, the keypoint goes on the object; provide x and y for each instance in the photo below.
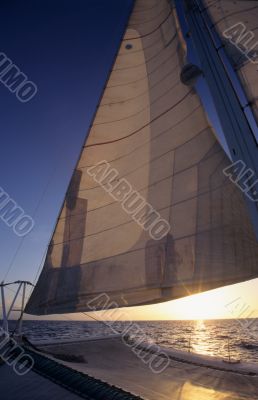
(223, 338)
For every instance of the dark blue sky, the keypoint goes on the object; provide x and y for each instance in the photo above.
(66, 48)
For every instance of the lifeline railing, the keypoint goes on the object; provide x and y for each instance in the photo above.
(21, 288)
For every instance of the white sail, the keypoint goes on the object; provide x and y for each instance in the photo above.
(237, 24)
(152, 130)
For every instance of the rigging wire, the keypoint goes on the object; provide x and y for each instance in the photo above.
(13, 259)
(33, 215)
(94, 318)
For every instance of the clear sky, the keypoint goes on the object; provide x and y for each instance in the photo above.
(66, 48)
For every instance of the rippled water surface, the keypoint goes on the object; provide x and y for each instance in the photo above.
(214, 337)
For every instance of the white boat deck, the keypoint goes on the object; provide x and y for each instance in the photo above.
(112, 361)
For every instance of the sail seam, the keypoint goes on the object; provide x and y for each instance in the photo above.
(201, 193)
(210, 229)
(146, 9)
(148, 60)
(144, 126)
(138, 51)
(174, 69)
(149, 20)
(143, 109)
(151, 32)
(145, 76)
(234, 13)
(155, 159)
(172, 127)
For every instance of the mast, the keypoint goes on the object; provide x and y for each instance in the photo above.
(231, 109)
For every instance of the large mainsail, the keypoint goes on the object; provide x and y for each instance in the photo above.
(152, 130)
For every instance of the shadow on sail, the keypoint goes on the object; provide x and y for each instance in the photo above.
(152, 131)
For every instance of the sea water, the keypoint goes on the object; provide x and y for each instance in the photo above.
(209, 337)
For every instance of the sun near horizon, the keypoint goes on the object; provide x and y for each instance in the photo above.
(235, 301)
